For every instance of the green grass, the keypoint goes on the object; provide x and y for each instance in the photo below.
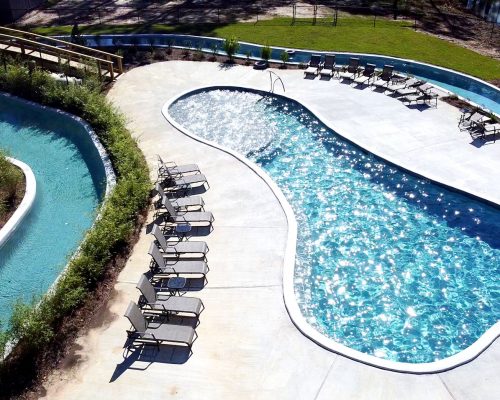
(353, 34)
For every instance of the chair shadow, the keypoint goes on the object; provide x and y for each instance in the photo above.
(224, 66)
(147, 355)
(325, 78)
(310, 77)
(419, 107)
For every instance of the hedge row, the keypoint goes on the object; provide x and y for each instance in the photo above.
(33, 327)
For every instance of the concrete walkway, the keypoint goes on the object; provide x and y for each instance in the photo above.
(248, 348)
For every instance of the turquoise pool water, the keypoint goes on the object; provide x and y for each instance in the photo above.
(387, 263)
(70, 184)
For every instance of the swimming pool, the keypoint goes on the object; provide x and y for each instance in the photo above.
(387, 263)
(71, 182)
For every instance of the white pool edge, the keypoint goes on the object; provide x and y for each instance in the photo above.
(463, 357)
(26, 204)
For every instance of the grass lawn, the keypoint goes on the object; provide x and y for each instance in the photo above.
(353, 34)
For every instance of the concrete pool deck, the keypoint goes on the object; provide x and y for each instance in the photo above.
(248, 348)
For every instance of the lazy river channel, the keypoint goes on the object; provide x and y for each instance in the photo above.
(387, 263)
(71, 182)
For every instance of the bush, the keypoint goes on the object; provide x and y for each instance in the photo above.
(10, 178)
(284, 57)
(33, 327)
(265, 53)
(231, 46)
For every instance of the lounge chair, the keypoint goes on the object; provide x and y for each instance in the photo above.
(184, 183)
(470, 119)
(162, 266)
(491, 128)
(142, 331)
(404, 83)
(328, 66)
(351, 71)
(413, 90)
(426, 97)
(166, 169)
(165, 303)
(484, 125)
(366, 75)
(179, 249)
(314, 65)
(180, 203)
(385, 77)
(185, 217)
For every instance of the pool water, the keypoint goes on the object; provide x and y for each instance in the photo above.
(70, 181)
(387, 263)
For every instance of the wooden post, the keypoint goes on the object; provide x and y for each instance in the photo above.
(99, 72)
(120, 65)
(111, 72)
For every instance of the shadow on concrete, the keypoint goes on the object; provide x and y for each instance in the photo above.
(139, 358)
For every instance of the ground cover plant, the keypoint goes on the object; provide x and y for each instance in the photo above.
(354, 34)
(35, 327)
(11, 187)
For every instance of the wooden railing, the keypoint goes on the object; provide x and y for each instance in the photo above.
(51, 50)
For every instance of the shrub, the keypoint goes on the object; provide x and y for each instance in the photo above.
(265, 52)
(284, 57)
(10, 178)
(231, 46)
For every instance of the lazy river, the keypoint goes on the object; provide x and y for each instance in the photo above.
(71, 182)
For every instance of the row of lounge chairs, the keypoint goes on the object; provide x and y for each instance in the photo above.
(408, 90)
(479, 124)
(174, 259)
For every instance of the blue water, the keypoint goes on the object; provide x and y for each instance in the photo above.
(471, 89)
(387, 263)
(70, 184)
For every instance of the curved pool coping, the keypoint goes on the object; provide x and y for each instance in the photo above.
(291, 305)
(25, 206)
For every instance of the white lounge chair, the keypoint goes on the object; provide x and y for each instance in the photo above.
(351, 71)
(328, 66)
(314, 65)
